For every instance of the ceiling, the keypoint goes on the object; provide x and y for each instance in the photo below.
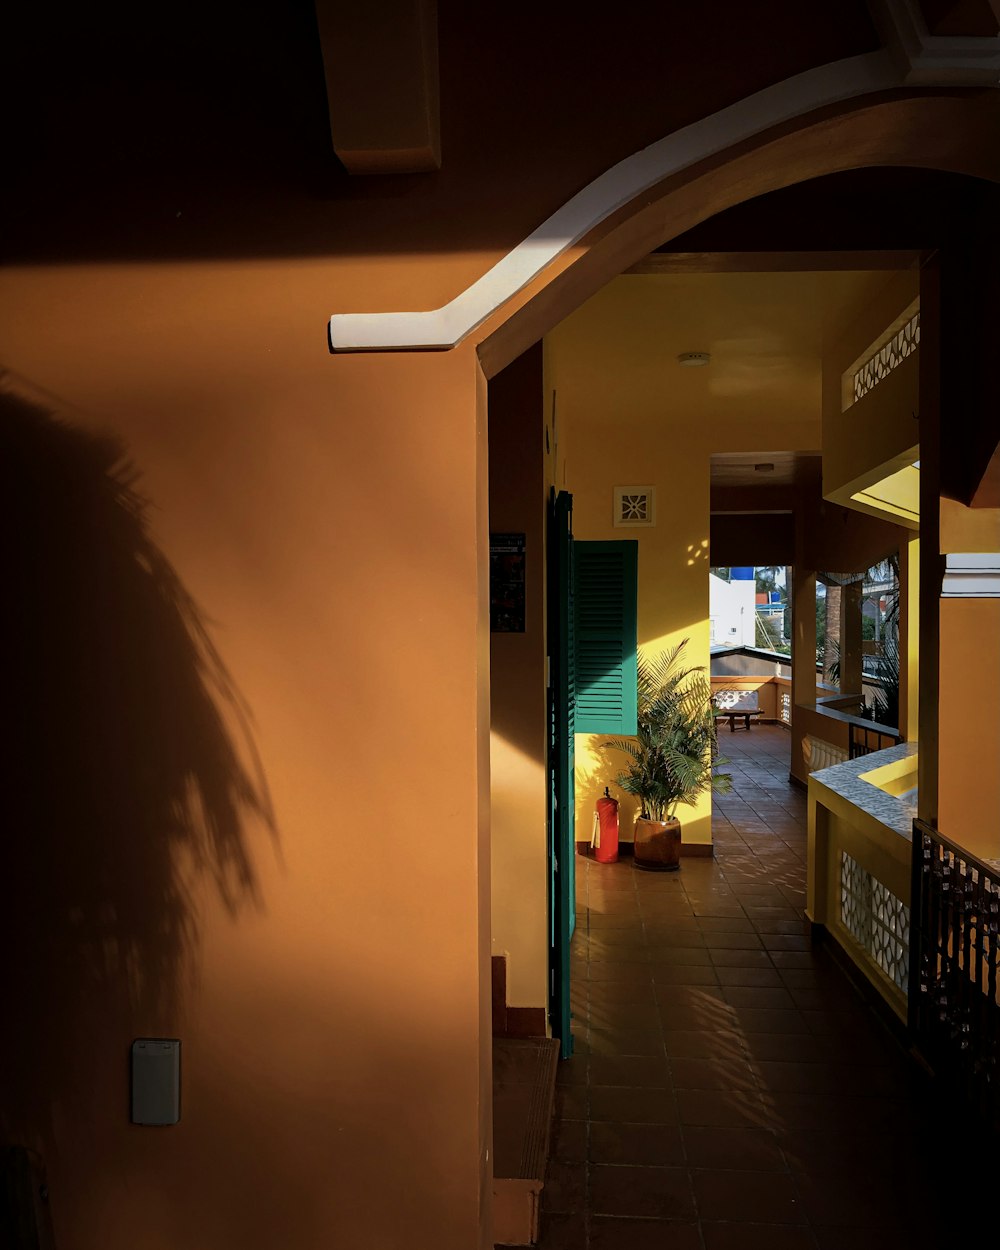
(765, 332)
(789, 468)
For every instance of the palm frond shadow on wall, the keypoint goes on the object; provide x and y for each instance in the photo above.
(131, 773)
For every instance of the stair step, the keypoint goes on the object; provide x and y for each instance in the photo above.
(524, 1084)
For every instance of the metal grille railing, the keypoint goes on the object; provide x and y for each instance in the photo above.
(865, 741)
(955, 953)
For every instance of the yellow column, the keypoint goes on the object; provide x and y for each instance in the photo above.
(909, 636)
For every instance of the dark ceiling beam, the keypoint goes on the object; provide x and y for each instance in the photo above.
(381, 65)
(743, 499)
(764, 538)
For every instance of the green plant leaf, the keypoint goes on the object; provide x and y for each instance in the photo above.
(671, 758)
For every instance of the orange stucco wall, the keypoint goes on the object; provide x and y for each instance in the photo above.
(323, 515)
(518, 775)
(969, 665)
(969, 744)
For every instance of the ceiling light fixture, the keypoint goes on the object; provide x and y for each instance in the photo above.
(693, 360)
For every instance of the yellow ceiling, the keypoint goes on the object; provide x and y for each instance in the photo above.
(615, 357)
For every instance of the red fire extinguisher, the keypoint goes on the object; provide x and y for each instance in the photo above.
(605, 839)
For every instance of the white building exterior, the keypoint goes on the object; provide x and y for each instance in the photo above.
(732, 612)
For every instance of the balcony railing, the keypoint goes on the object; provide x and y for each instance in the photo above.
(774, 693)
(866, 739)
(955, 953)
(860, 865)
(784, 692)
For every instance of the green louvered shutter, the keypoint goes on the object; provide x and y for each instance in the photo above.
(606, 577)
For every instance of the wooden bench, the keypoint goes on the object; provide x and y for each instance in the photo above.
(734, 705)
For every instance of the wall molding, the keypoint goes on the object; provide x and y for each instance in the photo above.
(838, 82)
(443, 328)
(935, 60)
(971, 575)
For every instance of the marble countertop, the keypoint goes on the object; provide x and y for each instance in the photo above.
(845, 780)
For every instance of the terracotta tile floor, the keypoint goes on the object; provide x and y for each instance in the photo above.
(729, 1089)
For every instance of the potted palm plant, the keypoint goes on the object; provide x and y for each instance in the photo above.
(670, 760)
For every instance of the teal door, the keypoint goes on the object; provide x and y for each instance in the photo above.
(562, 711)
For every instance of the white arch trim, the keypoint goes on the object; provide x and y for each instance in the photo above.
(444, 328)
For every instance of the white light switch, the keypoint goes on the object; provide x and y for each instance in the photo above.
(156, 1080)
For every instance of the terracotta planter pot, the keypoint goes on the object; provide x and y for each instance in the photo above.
(658, 844)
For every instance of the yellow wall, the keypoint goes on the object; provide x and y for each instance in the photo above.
(865, 441)
(673, 584)
(896, 495)
(618, 398)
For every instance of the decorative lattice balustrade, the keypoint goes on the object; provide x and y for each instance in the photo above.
(785, 706)
(889, 356)
(876, 919)
(860, 872)
(735, 700)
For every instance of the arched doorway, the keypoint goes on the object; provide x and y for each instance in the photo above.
(759, 222)
(832, 168)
